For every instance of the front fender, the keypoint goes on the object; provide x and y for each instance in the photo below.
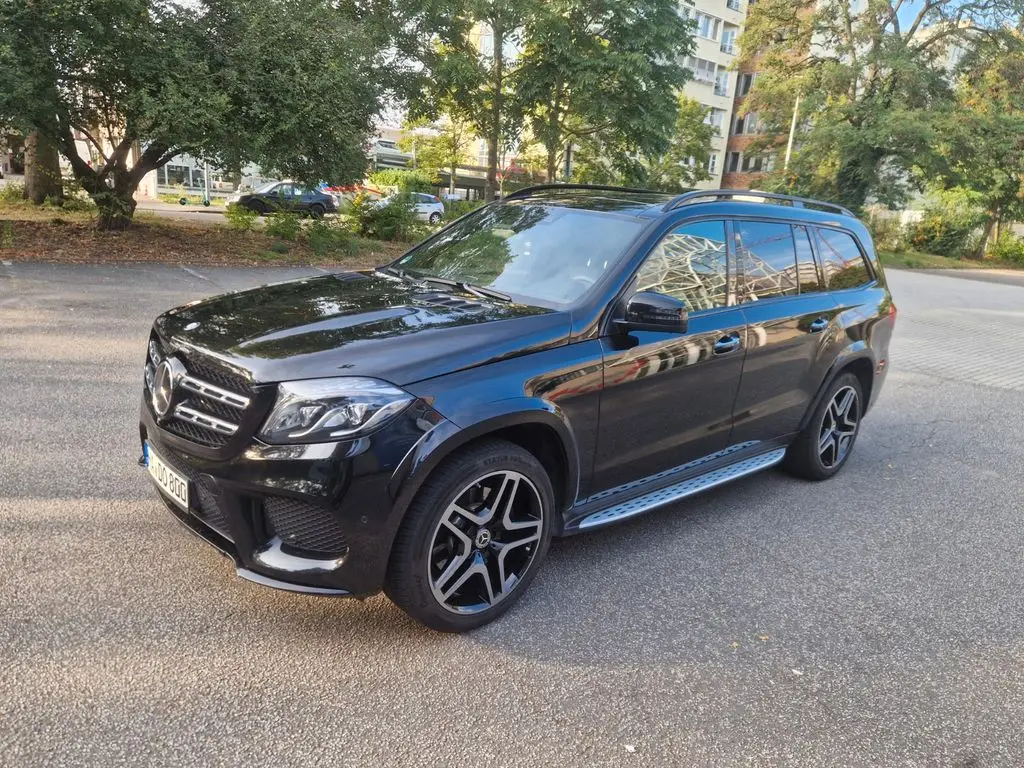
(477, 422)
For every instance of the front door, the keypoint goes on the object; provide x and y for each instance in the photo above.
(668, 397)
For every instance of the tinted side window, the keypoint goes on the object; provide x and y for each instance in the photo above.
(806, 270)
(767, 259)
(841, 260)
(690, 264)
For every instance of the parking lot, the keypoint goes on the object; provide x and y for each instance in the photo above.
(873, 620)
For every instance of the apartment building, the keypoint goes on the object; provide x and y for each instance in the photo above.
(745, 166)
(714, 82)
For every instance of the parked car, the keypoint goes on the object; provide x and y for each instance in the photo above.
(426, 207)
(555, 362)
(287, 196)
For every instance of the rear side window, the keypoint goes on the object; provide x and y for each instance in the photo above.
(841, 260)
(767, 259)
(690, 264)
(806, 269)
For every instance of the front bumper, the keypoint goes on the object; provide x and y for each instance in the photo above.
(314, 518)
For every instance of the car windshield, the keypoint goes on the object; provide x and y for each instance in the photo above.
(539, 253)
(262, 189)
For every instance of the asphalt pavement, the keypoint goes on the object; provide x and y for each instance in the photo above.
(873, 620)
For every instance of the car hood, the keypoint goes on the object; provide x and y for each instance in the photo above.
(359, 324)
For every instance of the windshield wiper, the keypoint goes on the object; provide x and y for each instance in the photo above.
(476, 290)
(483, 290)
(394, 271)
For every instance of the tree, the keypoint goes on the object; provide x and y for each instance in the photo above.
(868, 77)
(609, 67)
(438, 145)
(981, 144)
(678, 168)
(289, 85)
(466, 73)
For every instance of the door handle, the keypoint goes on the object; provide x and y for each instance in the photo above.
(727, 344)
(818, 325)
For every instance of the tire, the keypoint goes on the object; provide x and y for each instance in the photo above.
(837, 417)
(445, 571)
(317, 211)
(434, 217)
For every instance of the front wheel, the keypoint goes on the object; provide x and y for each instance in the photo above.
(824, 445)
(473, 538)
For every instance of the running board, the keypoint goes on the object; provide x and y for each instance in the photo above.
(671, 493)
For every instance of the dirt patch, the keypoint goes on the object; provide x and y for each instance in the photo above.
(76, 240)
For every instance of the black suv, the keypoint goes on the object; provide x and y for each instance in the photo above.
(557, 361)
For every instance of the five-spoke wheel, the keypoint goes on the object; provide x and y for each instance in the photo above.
(473, 537)
(824, 445)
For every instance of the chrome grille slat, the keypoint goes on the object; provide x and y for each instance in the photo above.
(201, 419)
(213, 392)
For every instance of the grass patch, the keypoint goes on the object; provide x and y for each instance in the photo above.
(33, 233)
(919, 260)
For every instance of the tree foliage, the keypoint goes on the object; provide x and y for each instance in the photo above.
(289, 84)
(869, 80)
(439, 145)
(608, 67)
(678, 168)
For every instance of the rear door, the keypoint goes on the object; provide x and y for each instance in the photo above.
(668, 397)
(790, 327)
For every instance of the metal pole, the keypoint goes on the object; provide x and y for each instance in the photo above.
(792, 132)
(206, 181)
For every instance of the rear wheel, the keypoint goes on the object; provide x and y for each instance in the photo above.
(434, 217)
(824, 445)
(473, 538)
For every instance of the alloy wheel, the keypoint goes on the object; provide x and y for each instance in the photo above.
(485, 542)
(838, 427)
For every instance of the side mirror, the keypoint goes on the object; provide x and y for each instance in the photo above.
(653, 311)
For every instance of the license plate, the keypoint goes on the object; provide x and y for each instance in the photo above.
(169, 481)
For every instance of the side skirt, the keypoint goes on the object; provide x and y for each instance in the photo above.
(670, 493)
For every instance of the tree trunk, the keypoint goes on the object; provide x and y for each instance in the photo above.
(497, 105)
(42, 170)
(552, 164)
(986, 233)
(451, 179)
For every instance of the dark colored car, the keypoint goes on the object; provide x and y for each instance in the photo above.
(554, 362)
(286, 196)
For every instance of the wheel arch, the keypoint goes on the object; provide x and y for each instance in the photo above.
(540, 431)
(857, 360)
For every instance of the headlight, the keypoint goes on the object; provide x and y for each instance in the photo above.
(319, 410)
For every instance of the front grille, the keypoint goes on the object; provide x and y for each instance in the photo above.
(304, 526)
(211, 401)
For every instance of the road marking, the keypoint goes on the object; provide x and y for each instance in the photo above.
(194, 273)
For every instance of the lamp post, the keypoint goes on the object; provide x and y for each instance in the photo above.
(792, 133)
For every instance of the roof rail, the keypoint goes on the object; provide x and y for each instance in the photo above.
(527, 191)
(729, 194)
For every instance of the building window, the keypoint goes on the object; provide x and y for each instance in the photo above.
(722, 82)
(733, 5)
(729, 40)
(734, 162)
(704, 71)
(713, 162)
(745, 124)
(177, 174)
(746, 81)
(715, 118)
(753, 164)
(708, 26)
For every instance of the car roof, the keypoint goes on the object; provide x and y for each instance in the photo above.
(637, 202)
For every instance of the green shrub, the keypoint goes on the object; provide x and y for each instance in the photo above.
(12, 193)
(240, 218)
(284, 224)
(78, 205)
(325, 237)
(392, 221)
(7, 236)
(888, 233)
(455, 208)
(280, 247)
(1007, 247)
(948, 223)
(402, 180)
